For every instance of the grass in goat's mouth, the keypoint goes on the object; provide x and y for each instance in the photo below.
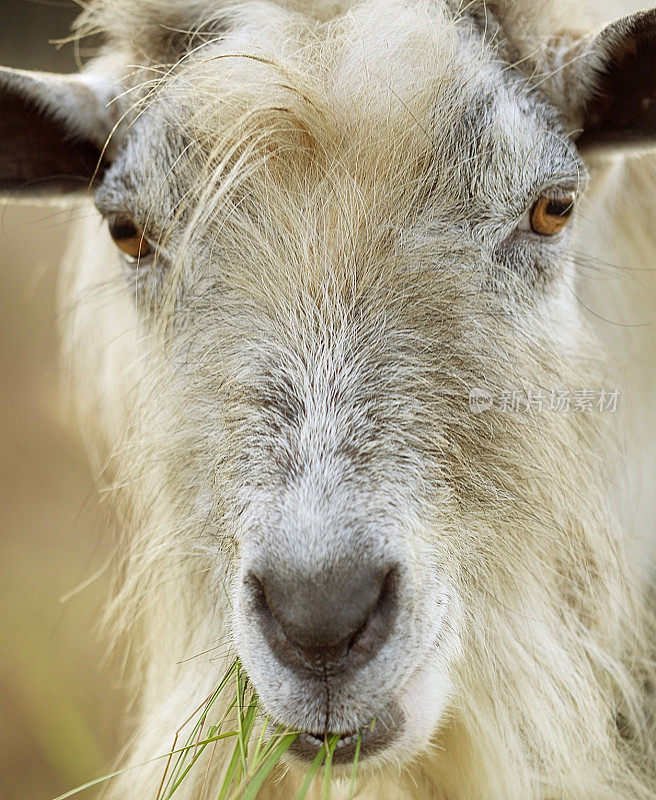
(255, 755)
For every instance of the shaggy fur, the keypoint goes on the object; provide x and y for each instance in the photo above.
(335, 192)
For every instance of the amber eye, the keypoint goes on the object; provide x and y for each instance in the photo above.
(129, 238)
(549, 215)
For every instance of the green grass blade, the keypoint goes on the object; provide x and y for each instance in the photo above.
(245, 730)
(228, 780)
(97, 781)
(311, 773)
(327, 769)
(109, 776)
(260, 740)
(246, 721)
(197, 754)
(232, 775)
(179, 767)
(249, 765)
(354, 768)
(230, 708)
(255, 783)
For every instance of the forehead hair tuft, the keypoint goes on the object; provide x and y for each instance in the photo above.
(161, 31)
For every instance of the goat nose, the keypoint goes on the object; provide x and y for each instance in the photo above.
(328, 617)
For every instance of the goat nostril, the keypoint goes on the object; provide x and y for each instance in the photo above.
(388, 592)
(257, 593)
(375, 626)
(327, 617)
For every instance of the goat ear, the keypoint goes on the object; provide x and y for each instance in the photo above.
(618, 70)
(53, 131)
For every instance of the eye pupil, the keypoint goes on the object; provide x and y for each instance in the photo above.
(549, 215)
(559, 208)
(129, 238)
(123, 228)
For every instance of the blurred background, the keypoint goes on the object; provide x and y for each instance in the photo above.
(59, 699)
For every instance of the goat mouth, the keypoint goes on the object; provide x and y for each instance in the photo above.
(379, 734)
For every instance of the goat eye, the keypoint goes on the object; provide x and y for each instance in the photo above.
(129, 238)
(550, 215)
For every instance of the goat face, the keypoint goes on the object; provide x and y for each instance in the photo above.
(334, 236)
(348, 263)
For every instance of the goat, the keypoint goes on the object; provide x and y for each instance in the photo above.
(376, 405)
